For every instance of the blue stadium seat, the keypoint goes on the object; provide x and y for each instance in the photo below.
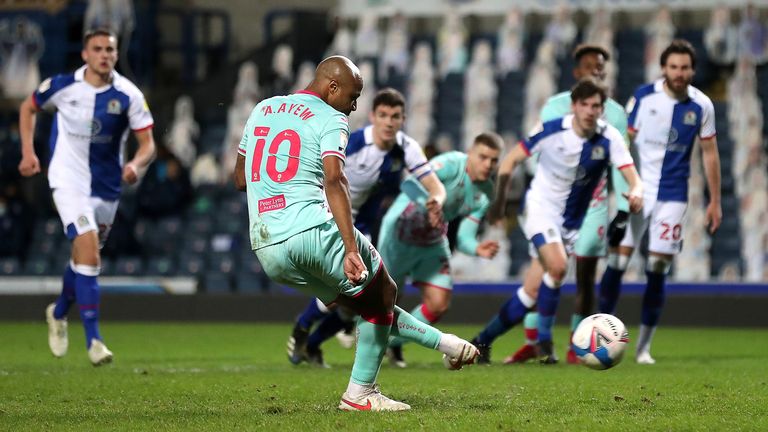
(37, 266)
(160, 266)
(190, 264)
(129, 266)
(10, 266)
(217, 283)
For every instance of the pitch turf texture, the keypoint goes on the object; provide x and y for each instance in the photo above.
(236, 377)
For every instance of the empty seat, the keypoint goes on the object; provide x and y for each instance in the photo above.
(129, 266)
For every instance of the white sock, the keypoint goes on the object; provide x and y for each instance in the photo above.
(644, 339)
(450, 344)
(355, 390)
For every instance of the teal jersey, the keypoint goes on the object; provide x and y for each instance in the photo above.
(463, 198)
(284, 142)
(560, 104)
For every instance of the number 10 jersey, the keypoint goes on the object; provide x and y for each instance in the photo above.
(284, 142)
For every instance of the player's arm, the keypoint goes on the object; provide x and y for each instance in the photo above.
(336, 188)
(239, 174)
(507, 166)
(635, 194)
(437, 195)
(466, 237)
(30, 164)
(711, 160)
(145, 154)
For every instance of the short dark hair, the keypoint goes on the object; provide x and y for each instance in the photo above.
(586, 88)
(678, 46)
(90, 34)
(389, 97)
(583, 49)
(489, 139)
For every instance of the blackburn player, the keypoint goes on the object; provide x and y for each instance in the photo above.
(376, 158)
(95, 107)
(574, 154)
(290, 163)
(665, 119)
(414, 246)
(591, 245)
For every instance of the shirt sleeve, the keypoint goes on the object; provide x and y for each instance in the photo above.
(620, 156)
(45, 96)
(243, 145)
(416, 161)
(707, 120)
(334, 137)
(139, 116)
(633, 105)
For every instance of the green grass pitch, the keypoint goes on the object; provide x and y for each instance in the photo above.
(217, 377)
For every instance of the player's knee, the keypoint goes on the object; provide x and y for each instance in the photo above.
(659, 264)
(437, 308)
(557, 271)
(86, 270)
(618, 261)
(554, 280)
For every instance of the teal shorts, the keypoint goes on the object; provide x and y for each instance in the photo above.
(426, 265)
(313, 261)
(591, 241)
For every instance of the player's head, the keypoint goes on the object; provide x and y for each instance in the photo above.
(678, 63)
(100, 51)
(483, 156)
(590, 61)
(388, 115)
(338, 82)
(587, 101)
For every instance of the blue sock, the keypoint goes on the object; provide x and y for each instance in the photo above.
(610, 288)
(653, 300)
(547, 301)
(310, 315)
(511, 313)
(67, 296)
(87, 291)
(328, 327)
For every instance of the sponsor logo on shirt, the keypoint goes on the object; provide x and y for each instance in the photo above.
(598, 153)
(44, 86)
(114, 106)
(343, 139)
(690, 118)
(82, 221)
(271, 203)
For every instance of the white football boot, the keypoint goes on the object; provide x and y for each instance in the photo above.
(99, 353)
(346, 340)
(371, 401)
(58, 340)
(644, 358)
(457, 352)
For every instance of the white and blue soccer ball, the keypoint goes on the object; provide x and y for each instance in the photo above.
(600, 340)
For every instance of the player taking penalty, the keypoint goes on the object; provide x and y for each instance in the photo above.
(290, 159)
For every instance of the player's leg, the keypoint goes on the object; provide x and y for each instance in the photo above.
(555, 262)
(665, 240)
(346, 337)
(589, 247)
(618, 260)
(531, 285)
(296, 346)
(511, 313)
(56, 314)
(326, 329)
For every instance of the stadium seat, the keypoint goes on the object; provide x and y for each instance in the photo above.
(249, 283)
(223, 262)
(190, 264)
(10, 266)
(160, 266)
(37, 266)
(217, 283)
(129, 266)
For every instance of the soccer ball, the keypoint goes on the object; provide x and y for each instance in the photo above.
(600, 340)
